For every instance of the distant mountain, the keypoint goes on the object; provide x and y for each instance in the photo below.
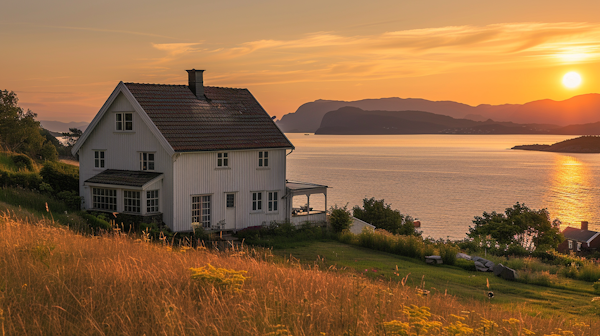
(58, 126)
(352, 120)
(308, 116)
(577, 110)
(584, 144)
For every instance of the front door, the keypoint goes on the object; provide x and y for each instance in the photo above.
(230, 203)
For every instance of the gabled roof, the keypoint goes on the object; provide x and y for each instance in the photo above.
(129, 178)
(584, 236)
(228, 119)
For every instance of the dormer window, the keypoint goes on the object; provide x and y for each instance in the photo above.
(124, 121)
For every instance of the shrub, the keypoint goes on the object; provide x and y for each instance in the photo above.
(339, 218)
(516, 250)
(448, 253)
(22, 161)
(61, 176)
(96, 223)
(26, 180)
(71, 198)
(380, 214)
(596, 286)
(589, 272)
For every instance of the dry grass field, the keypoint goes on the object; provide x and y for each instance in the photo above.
(56, 282)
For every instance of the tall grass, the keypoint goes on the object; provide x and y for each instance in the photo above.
(381, 240)
(55, 282)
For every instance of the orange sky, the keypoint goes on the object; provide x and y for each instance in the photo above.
(64, 57)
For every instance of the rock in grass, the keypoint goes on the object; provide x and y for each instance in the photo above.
(498, 269)
(463, 256)
(434, 259)
(509, 274)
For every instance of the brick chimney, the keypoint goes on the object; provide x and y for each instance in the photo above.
(584, 225)
(196, 83)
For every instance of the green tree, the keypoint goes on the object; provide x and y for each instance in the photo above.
(49, 152)
(19, 131)
(520, 225)
(380, 214)
(72, 136)
(340, 218)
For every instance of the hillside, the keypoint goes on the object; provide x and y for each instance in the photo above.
(583, 109)
(60, 127)
(352, 120)
(584, 144)
(54, 282)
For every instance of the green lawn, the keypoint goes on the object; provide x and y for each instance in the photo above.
(574, 299)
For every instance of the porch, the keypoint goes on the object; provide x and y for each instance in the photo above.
(301, 212)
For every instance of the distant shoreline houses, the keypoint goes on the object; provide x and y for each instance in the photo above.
(580, 241)
(186, 155)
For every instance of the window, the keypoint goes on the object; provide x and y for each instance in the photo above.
(104, 199)
(124, 121)
(201, 210)
(263, 159)
(230, 200)
(131, 201)
(99, 159)
(152, 201)
(146, 161)
(578, 246)
(256, 201)
(570, 244)
(222, 159)
(272, 201)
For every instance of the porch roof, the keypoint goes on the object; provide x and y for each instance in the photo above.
(129, 178)
(301, 186)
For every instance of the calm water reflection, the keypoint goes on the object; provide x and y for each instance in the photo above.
(572, 195)
(445, 180)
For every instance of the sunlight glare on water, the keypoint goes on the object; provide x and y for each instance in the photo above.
(446, 180)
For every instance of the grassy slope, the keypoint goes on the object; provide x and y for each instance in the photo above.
(574, 299)
(54, 282)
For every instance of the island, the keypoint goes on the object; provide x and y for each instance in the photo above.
(583, 144)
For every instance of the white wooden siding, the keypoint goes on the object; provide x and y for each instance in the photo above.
(122, 152)
(197, 174)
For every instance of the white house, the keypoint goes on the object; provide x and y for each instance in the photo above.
(189, 154)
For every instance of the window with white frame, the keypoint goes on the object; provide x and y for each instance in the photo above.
(104, 199)
(578, 246)
(152, 201)
(257, 201)
(99, 159)
(201, 210)
(222, 159)
(263, 159)
(570, 244)
(124, 121)
(146, 161)
(131, 201)
(272, 201)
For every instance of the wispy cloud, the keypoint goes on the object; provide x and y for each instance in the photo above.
(327, 56)
(176, 48)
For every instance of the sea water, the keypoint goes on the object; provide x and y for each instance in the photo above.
(446, 180)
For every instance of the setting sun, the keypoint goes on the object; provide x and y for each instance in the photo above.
(571, 80)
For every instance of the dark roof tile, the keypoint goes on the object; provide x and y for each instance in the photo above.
(128, 178)
(578, 234)
(227, 119)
